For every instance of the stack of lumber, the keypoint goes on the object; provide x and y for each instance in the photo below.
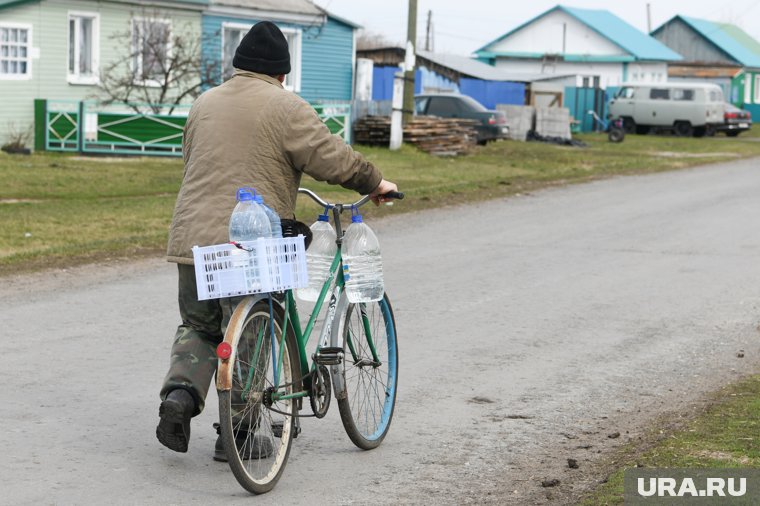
(373, 130)
(441, 136)
(437, 136)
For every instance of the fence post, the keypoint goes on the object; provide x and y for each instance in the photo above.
(80, 128)
(40, 124)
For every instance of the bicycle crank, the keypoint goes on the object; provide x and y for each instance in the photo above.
(321, 391)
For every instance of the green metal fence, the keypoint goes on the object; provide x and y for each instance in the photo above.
(86, 127)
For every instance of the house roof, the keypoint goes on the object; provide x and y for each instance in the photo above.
(473, 68)
(729, 38)
(454, 66)
(639, 45)
(301, 8)
(192, 4)
(292, 6)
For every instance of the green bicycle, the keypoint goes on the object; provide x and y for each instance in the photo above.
(264, 373)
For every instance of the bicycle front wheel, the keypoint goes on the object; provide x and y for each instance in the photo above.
(257, 428)
(370, 372)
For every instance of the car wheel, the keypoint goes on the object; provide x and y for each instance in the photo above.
(683, 129)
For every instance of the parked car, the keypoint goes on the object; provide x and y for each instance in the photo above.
(685, 108)
(492, 126)
(735, 120)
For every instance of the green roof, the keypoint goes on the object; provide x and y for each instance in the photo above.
(729, 38)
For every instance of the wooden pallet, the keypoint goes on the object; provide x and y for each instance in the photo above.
(437, 136)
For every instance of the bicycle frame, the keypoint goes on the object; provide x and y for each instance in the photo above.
(331, 334)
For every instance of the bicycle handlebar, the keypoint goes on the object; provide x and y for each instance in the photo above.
(319, 200)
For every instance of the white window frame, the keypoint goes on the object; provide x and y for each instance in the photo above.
(137, 71)
(231, 26)
(28, 75)
(748, 88)
(292, 79)
(757, 88)
(76, 78)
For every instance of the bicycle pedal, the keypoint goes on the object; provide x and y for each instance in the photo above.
(328, 356)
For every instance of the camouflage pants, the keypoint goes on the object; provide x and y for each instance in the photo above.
(193, 355)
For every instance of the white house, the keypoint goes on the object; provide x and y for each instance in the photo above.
(599, 48)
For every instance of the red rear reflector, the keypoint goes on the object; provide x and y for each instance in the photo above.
(224, 351)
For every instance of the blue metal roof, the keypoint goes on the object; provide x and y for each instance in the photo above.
(728, 38)
(638, 44)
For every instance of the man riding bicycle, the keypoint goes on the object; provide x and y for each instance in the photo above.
(249, 131)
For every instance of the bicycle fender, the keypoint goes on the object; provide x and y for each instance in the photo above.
(336, 340)
(223, 377)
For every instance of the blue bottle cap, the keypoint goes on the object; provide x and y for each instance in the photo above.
(357, 218)
(323, 217)
(244, 194)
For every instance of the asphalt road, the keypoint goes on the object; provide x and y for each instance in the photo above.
(530, 328)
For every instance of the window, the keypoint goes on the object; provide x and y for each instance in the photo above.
(747, 88)
(757, 88)
(443, 106)
(15, 51)
(625, 92)
(420, 104)
(679, 94)
(150, 49)
(232, 34)
(716, 95)
(83, 48)
(659, 94)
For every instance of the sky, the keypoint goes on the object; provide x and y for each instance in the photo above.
(463, 26)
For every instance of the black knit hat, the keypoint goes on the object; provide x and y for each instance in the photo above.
(264, 50)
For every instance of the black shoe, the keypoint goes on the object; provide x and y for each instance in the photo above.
(176, 410)
(256, 447)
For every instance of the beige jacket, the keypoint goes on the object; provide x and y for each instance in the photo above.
(251, 132)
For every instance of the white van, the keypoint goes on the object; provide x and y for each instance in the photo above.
(686, 108)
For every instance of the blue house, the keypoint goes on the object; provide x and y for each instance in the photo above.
(322, 45)
(715, 52)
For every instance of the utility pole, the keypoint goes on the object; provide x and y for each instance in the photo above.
(409, 65)
(649, 18)
(427, 33)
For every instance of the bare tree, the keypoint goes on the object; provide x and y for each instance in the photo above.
(160, 67)
(372, 40)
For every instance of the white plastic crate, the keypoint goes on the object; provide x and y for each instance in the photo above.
(265, 265)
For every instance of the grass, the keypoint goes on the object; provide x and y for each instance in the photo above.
(724, 436)
(60, 209)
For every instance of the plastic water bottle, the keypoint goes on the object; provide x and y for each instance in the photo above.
(362, 263)
(319, 257)
(249, 220)
(274, 220)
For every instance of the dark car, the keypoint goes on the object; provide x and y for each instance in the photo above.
(735, 121)
(492, 126)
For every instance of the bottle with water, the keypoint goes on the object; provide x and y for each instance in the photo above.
(362, 264)
(249, 220)
(248, 223)
(274, 220)
(319, 257)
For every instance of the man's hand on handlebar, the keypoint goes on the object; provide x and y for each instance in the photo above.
(383, 188)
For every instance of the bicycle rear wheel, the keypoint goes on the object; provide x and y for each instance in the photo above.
(257, 433)
(370, 378)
